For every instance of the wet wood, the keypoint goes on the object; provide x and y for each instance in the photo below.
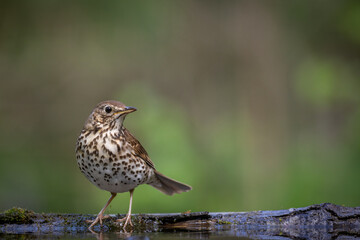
(323, 221)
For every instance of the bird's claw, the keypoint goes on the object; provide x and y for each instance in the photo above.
(98, 218)
(127, 220)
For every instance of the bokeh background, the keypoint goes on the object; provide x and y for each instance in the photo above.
(253, 103)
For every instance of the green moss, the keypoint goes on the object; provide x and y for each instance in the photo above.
(16, 216)
(223, 222)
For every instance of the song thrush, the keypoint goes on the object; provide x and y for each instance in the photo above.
(111, 158)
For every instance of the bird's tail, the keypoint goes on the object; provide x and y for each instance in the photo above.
(168, 185)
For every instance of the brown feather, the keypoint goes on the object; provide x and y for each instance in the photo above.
(137, 147)
(169, 186)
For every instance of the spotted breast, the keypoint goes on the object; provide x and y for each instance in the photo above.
(108, 160)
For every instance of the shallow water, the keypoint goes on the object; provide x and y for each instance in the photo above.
(227, 233)
(133, 236)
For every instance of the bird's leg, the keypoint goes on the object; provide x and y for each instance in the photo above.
(127, 219)
(100, 216)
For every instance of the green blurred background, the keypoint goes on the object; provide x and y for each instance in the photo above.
(253, 103)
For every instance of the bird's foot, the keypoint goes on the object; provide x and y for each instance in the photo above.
(99, 218)
(127, 220)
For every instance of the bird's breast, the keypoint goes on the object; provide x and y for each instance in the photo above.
(108, 161)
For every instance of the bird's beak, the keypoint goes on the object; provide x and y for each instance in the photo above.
(127, 110)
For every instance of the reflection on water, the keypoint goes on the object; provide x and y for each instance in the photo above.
(130, 236)
(170, 235)
(224, 232)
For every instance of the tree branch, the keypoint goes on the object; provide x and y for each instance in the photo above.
(316, 221)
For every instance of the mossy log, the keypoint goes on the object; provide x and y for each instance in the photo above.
(323, 221)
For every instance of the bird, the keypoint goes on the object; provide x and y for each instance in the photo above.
(112, 159)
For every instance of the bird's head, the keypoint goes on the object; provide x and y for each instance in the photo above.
(108, 114)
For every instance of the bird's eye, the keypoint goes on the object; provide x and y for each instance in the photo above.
(108, 109)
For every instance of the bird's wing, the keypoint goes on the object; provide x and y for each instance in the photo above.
(139, 150)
